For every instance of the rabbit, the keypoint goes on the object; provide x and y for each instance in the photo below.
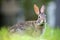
(37, 24)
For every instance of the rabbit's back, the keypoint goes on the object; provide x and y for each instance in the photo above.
(22, 26)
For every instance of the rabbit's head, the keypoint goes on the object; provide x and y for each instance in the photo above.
(40, 13)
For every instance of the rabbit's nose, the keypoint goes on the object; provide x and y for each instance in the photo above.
(42, 17)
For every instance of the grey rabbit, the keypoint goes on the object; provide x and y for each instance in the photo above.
(37, 25)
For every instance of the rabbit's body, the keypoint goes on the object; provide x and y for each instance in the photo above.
(25, 25)
(37, 25)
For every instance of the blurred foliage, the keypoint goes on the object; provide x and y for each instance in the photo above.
(26, 8)
(4, 34)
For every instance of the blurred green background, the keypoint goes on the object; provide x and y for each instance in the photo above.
(14, 11)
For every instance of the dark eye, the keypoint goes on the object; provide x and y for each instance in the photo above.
(39, 17)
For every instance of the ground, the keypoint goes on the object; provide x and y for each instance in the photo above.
(49, 34)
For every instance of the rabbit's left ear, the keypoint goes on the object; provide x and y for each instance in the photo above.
(36, 9)
(42, 9)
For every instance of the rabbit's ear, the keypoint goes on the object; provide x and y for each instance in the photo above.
(42, 9)
(36, 9)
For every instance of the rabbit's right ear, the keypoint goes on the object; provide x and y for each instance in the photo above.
(36, 9)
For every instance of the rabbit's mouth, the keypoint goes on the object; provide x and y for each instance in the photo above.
(40, 22)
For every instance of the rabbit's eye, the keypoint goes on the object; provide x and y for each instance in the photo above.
(39, 17)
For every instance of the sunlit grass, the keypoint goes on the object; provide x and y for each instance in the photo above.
(4, 34)
(50, 34)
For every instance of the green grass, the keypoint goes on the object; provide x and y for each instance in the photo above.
(50, 34)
